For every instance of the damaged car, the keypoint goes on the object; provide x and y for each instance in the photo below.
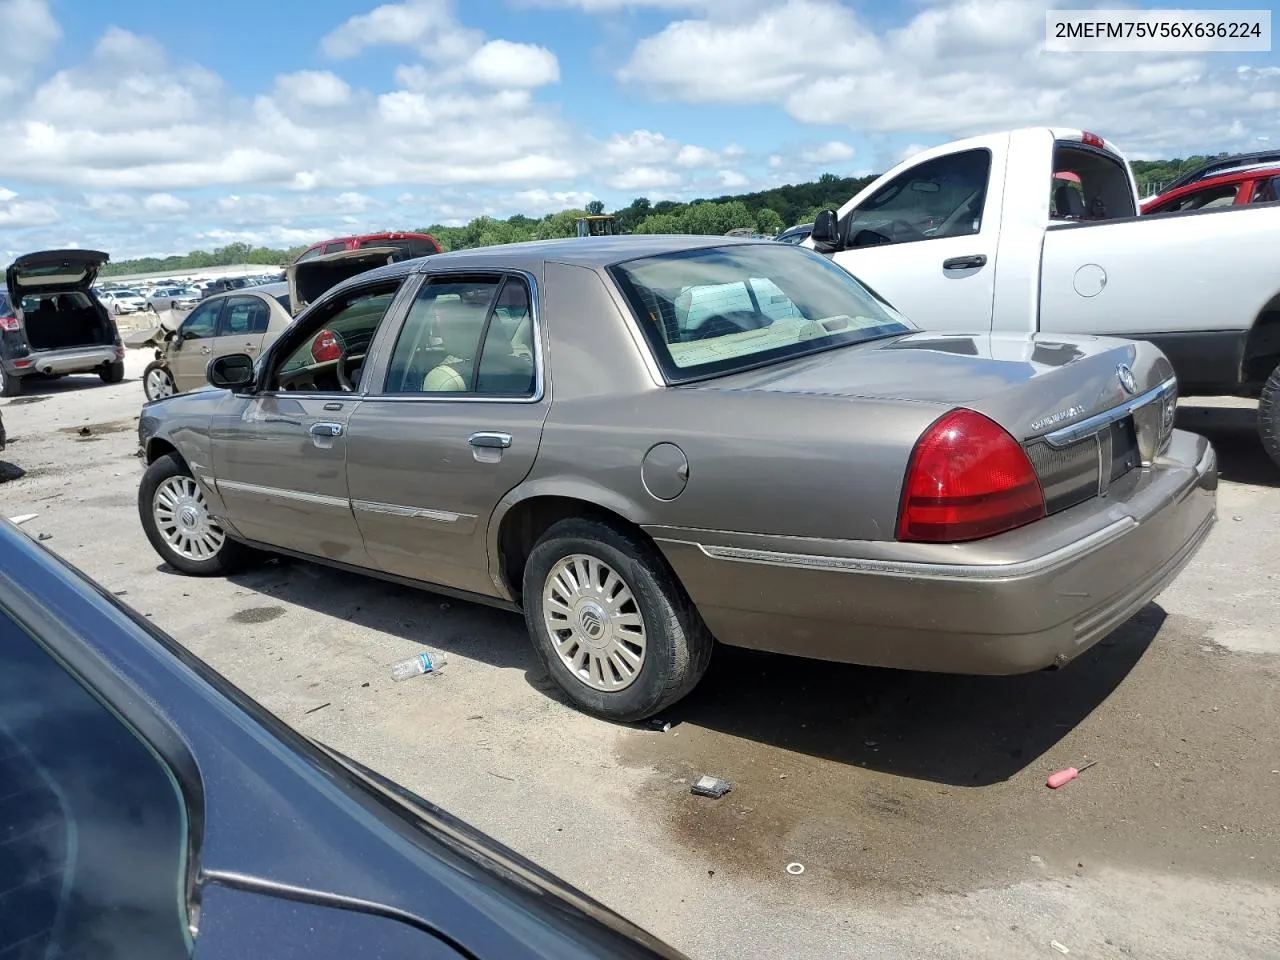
(242, 320)
(51, 323)
(651, 445)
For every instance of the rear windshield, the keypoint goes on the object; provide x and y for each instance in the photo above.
(410, 248)
(722, 309)
(283, 300)
(1088, 184)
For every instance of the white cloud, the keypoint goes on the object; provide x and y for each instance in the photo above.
(165, 203)
(314, 88)
(507, 65)
(833, 151)
(645, 178)
(426, 25)
(30, 33)
(19, 214)
(732, 179)
(954, 68)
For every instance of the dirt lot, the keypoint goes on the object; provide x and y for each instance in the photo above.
(916, 803)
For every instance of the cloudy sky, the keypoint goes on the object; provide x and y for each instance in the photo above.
(160, 126)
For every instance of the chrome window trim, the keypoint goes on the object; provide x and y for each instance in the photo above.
(429, 274)
(415, 513)
(316, 498)
(1066, 436)
(911, 570)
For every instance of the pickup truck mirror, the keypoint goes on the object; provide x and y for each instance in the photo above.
(826, 232)
(231, 372)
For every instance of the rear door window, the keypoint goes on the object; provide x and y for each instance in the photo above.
(93, 823)
(1220, 196)
(1089, 178)
(242, 316)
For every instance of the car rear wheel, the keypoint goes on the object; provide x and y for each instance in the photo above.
(610, 622)
(10, 386)
(113, 372)
(175, 517)
(157, 381)
(1269, 416)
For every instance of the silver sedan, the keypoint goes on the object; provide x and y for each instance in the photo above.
(652, 444)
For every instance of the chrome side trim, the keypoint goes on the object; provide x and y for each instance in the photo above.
(925, 571)
(1078, 431)
(299, 495)
(415, 513)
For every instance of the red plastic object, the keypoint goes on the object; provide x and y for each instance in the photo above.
(1056, 780)
(325, 347)
(9, 323)
(1092, 140)
(967, 479)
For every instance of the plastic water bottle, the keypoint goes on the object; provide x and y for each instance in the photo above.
(406, 669)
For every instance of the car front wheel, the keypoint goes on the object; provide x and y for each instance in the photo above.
(157, 381)
(175, 517)
(1269, 416)
(611, 623)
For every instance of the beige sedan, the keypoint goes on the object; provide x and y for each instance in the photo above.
(241, 321)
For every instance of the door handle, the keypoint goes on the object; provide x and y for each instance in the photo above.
(251, 346)
(205, 350)
(497, 441)
(325, 429)
(965, 263)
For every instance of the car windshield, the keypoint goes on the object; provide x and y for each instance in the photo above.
(718, 310)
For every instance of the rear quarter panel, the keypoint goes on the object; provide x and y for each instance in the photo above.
(791, 465)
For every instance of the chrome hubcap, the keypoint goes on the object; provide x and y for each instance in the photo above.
(594, 622)
(183, 520)
(159, 384)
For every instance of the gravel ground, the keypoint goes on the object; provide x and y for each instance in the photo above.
(916, 803)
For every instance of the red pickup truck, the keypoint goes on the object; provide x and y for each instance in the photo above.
(413, 245)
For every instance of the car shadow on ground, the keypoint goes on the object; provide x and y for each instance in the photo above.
(955, 730)
(419, 617)
(1233, 431)
(10, 471)
(35, 389)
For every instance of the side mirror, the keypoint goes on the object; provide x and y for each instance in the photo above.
(826, 232)
(232, 372)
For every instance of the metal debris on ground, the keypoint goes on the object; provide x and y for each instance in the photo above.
(713, 787)
(85, 431)
(416, 667)
(1060, 947)
(44, 536)
(500, 776)
(795, 869)
(321, 707)
(23, 518)
(662, 726)
(1063, 777)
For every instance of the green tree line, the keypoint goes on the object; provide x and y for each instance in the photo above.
(766, 211)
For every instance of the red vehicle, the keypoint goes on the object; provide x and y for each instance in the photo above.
(1249, 178)
(413, 245)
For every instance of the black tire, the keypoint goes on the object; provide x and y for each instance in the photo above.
(113, 372)
(677, 644)
(10, 386)
(116, 309)
(231, 556)
(1269, 416)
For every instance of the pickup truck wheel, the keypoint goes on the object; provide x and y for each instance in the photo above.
(175, 517)
(1269, 416)
(157, 381)
(113, 372)
(610, 622)
(10, 386)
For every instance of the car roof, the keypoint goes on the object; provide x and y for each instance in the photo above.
(593, 252)
(270, 289)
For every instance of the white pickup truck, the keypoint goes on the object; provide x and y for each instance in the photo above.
(1038, 229)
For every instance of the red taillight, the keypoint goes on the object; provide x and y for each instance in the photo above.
(9, 323)
(1092, 140)
(325, 347)
(967, 479)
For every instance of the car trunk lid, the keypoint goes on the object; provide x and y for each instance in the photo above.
(309, 279)
(1086, 409)
(53, 271)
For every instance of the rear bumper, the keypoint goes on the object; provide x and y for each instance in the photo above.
(822, 599)
(72, 360)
